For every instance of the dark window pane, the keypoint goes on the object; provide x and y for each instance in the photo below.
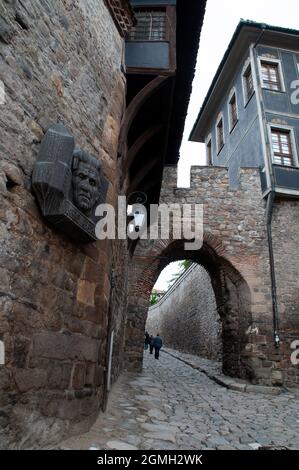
(233, 111)
(151, 26)
(220, 134)
(248, 83)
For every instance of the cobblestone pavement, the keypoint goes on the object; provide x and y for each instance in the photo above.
(173, 406)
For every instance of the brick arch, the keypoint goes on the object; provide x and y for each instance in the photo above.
(232, 294)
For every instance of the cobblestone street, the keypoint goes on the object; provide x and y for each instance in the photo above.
(174, 406)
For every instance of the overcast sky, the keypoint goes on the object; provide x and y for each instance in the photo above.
(221, 20)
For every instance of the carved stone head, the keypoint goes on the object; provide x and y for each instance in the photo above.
(68, 184)
(86, 180)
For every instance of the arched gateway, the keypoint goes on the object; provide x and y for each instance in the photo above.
(231, 292)
(235, 254)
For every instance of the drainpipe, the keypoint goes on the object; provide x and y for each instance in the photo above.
(269, 213)
(270, 197)
(109, 347)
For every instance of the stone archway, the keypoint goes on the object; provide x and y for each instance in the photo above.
(186, 314)
(236, 255)
(231, 290)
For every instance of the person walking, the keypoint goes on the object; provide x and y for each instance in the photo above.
(146, 340)
(151, 344)
(157, 345)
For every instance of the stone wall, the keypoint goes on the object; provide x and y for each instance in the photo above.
(235, 253)
(285, 230)
(60, 61)
(186, 317)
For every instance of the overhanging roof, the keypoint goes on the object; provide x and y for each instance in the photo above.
(189, 24)
(246, 33)
(154, 135)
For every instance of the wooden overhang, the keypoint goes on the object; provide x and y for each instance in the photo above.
(122, 14)
(157, 103)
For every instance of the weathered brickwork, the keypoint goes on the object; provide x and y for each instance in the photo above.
(235, 254)
(60, 61)
(186, 317)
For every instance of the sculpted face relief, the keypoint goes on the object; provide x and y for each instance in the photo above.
(68, 183)
(86, 181)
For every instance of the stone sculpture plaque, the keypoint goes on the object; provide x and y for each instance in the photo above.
(69, 184)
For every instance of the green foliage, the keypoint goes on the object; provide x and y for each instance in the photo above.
(154, 299)
(183, 266)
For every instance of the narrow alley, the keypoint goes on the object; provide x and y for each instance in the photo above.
(171, 405)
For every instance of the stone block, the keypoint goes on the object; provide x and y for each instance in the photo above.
(21, 350)
(93, 272)
(86, 292)
(61, 346)
(91, 250)
(5, 378)
(78, 376)
(90, 313)
(59, 375)
(13, 173)
(262, 389)
(277, 377)
(90, 375)
(5, 279)
(57, 82)
(28, 379)
(238, 387)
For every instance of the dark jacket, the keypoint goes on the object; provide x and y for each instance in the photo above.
(158, 342)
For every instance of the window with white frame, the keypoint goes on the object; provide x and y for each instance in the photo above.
(271, 74)
(233, 110)
(248, 83)
(283, 147)
(220, 134)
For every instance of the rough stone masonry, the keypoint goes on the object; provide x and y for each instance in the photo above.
(236, 256)
(61, 61)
